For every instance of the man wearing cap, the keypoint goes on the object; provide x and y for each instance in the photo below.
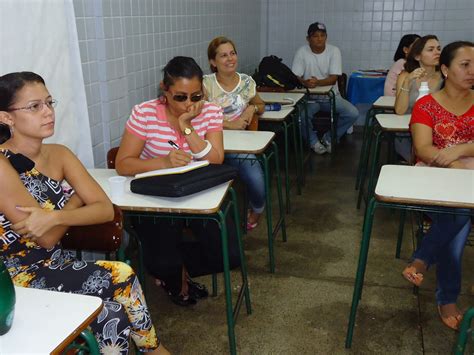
(319, 64)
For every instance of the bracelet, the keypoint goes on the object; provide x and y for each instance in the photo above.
(203, 152)
(403, 89)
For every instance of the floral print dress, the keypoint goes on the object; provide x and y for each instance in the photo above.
(125, 312)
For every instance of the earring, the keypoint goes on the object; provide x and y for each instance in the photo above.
(11, 131)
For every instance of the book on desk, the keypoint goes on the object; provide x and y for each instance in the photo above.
(178, 170)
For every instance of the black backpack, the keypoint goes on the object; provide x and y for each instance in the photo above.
(273, 73)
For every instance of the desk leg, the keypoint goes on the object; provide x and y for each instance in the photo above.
(127, 226)
(298, 159)
(280, 196)
(365, 162)
(268, 209)
(360, 274)
(374, 165)
(243, 260)
(332, 100)
(227, 284)
(90, 346)
(306, 134)
(287, 174)
(373, 169)
(463, 332)
(272, 232)
(363, 148)
(401, 227)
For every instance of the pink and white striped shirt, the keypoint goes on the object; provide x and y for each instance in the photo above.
(148, 122)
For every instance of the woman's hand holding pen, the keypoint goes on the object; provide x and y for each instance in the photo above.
(177, 157)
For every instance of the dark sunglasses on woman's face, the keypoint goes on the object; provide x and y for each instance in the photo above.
(183, 97)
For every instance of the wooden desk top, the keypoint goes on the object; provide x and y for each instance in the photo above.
(387, 102)
(393, 123)
(289, 98)
(247, 142)
(203, 202)
(277, 116)
(426, 186)
(46, 321)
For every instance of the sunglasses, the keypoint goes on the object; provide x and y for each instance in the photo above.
(183, 97)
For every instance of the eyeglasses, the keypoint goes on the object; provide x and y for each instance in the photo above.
(37, 106)
(183, 97)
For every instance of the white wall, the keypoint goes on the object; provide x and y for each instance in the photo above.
(124, 45)
(366, 31)
(46, 43)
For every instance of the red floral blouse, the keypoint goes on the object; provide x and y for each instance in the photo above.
(448, 129)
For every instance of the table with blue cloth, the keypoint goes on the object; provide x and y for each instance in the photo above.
(365, 86)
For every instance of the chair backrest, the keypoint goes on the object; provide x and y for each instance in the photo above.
(342, 85)
(111, 155)
(105, 237)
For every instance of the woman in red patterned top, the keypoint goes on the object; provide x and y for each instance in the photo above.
(442, 126)
(195, 127)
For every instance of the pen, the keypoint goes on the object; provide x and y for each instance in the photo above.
(173, 144)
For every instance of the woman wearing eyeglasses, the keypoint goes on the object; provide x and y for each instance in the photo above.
(195, 127)
(236, 93)
(35, 214)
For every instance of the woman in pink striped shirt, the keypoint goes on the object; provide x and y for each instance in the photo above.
(179, 115)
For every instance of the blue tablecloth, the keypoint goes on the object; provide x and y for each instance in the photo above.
(364, 88)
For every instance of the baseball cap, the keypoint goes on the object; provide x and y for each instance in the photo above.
(317, 26)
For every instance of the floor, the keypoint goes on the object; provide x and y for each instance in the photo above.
(303, 308)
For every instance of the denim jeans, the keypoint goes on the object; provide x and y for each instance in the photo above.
(251, 174)
(348, 114)
(443, 245)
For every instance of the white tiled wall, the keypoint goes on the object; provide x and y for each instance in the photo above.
(124, 45)
(366, 31)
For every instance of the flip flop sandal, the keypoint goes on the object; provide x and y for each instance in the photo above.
(251, 226)
(412, 276)
(452, 322)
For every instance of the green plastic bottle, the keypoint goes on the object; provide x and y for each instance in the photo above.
(7, 299)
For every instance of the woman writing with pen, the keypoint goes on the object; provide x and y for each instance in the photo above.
(168, 132)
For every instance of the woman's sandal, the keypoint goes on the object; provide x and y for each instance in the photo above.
(412, 275)
(175, 297)
(452, 322)
(251, 226)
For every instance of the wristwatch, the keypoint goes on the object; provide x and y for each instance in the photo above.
(187, 131)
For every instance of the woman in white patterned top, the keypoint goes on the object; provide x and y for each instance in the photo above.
(236, 94)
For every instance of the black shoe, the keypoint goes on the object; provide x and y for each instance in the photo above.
(197, 290)
(179, 299)
(182, 300)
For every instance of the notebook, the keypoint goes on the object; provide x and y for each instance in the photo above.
(178, 170)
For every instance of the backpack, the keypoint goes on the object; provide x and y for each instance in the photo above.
(273, 73)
